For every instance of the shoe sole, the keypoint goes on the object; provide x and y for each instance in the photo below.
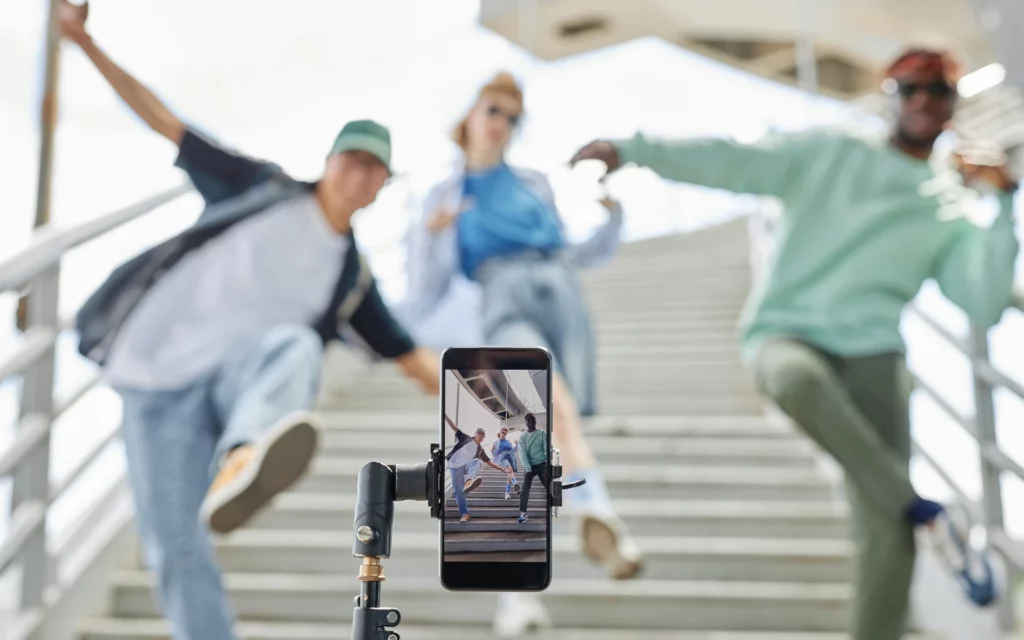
(601, 546)
(282, 461)
(476, 483)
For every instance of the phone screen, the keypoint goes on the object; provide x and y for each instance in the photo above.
(496, 435)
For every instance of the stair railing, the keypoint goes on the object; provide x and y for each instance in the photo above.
(35, 272)
(988, 511)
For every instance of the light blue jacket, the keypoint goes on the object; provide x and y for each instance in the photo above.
(435, 275)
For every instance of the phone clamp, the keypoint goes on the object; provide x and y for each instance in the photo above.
(378, 488)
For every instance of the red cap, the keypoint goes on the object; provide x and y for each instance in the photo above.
(940, 62)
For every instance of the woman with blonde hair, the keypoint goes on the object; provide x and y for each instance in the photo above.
(497, 227)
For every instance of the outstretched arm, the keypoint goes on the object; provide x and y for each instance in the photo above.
(450, 423)
(771, 167)
(217, 173)
(141, 100)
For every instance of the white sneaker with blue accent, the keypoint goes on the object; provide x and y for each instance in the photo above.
(970, 567)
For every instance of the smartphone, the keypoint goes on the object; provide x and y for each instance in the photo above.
(496, 436)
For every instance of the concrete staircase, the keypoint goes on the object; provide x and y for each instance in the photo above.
(493, 534)
(743, 537)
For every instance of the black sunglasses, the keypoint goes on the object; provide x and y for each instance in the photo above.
(936, 89)
(494, 111)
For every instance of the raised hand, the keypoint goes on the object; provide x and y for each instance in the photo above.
(984, 164)
(71, 18)
(995, 175)
(440, 221)
(598, 150)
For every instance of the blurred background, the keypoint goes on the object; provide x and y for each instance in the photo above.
(277, 80)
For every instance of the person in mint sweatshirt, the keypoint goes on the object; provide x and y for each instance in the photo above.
(866, 223)
(533, 449)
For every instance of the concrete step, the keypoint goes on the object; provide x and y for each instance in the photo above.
(338, 475)
(498, 542)
(696, 518)
(494, 498)
(427, 423)
(151, 629)
(479, 501)
(658, 450)
(505, 513)
(504, 521)
(696, 403)
(667, 558)
(648, 604)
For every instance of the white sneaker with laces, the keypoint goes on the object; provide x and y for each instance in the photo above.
(519, 613)
(970, 567)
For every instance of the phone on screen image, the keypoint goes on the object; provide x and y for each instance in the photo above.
(496, 436)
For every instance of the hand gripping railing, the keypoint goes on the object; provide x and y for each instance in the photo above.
(988, 512)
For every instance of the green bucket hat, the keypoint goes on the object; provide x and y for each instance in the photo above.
(365, 135)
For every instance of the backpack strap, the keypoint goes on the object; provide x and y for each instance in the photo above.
(354, 298)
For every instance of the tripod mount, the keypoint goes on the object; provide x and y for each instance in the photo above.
(379, 486)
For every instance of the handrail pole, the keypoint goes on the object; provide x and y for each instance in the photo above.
(31, 479)
(48, 117)
(992, 491)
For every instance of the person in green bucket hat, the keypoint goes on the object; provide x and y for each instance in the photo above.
(214, 339)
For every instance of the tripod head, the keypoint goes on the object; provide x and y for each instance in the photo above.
(379, 486)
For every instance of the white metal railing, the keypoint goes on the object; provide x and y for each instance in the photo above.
(35, 272)
(988, 511)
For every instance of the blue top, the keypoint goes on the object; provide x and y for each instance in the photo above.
(504, 445)
(504, 217)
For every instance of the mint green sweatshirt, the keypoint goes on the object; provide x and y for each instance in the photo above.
(864, 226)
(533, 447)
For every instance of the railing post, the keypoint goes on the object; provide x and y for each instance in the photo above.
(32, 478)
(992, 491)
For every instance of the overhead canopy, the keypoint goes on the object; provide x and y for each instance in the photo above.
(852, 40)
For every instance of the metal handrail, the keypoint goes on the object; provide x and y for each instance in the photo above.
(38, 341)
(37, 269)
(32, 431)
(49, 243)
(27, 520)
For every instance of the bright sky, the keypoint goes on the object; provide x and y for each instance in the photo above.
(279, 83)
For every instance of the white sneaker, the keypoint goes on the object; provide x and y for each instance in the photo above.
(949, 534)
(605, 541)
(507, 496)
(519, 613)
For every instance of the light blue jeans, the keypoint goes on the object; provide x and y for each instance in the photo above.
(458, 475)
(532, 299)
(174, 441)
(507, 459)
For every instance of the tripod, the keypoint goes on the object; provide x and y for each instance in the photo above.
(379, 486)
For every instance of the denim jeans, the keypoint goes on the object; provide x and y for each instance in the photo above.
(173, 441)
(507, 459)
(458, 475)
(535, 300)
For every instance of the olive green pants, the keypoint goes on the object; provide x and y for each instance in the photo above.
(857, 409)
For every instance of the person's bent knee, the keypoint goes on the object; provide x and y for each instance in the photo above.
(793, 377)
